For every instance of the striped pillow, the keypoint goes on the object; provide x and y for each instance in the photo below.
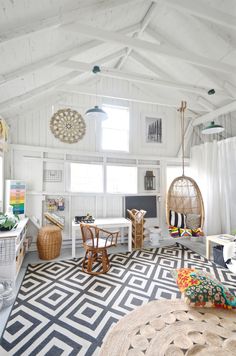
(177, 219)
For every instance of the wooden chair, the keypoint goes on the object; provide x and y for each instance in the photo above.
(95, 242)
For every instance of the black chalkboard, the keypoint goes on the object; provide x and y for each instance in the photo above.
(144, 202)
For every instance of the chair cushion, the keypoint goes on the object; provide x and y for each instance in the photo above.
(193, 221)
(101, 243)
(201, 289)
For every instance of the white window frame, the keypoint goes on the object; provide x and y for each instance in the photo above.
(104, 106)
(87, 192)
(125, 166)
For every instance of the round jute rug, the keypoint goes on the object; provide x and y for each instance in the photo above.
(172, 328)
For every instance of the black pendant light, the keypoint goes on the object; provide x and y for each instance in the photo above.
(96, 112)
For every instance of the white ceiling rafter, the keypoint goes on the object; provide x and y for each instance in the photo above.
(29, 106)
(135, 77)
(59, 57)
(144, 23)
(150, 66)
(7, 104)
(201, 9)
(123, 95)
(206, 103)
(159, 39)
(150, 47)
(16, 100)
(204, 71)
(216, 113)
(230, 88)
(61, 19)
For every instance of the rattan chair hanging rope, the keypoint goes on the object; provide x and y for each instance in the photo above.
(184, 195)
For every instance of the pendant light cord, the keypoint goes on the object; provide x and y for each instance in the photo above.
(182, 110)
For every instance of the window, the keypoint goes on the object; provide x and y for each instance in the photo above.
(86, 178)
(115, 130)
(121, 179)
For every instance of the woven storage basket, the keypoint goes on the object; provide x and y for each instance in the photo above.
(49, 242)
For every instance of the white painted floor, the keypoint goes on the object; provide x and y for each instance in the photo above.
(195, 244)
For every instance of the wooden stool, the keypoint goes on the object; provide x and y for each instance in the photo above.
(49, 242)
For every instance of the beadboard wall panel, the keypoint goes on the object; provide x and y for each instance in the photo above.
(33, 127)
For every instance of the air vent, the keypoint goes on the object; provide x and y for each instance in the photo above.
(121, 161)
(148, 162)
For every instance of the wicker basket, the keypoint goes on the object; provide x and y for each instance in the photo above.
(49, 242)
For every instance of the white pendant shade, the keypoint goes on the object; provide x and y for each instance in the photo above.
(212, 129)
(96, 113)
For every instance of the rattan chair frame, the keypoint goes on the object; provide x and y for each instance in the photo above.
(94, 253)
(183, 203)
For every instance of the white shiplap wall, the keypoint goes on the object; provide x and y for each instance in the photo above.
(31, 128)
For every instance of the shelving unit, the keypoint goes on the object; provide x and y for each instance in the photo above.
(30, 164)
(16, 247)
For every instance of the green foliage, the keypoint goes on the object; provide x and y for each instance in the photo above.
(7, 222)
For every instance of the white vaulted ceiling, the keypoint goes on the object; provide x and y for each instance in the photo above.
(171, 50)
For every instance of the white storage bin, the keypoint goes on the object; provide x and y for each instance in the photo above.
(155, 236)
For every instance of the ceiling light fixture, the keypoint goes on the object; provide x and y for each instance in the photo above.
(211, 92)
(212, 129)
(96, 112)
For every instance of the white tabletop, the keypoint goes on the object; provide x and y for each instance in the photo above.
(107, 221)
(219, 240)
(103, 223)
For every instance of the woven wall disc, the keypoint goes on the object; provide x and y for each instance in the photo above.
(68, 125)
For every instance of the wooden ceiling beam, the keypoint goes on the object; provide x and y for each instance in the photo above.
(144, 23)
(215, 114)
(206, 104)
(71, 16)
(17, 100)
(150, 47)
(230, 88)
(123, 95)
(150, 66)
(60, 57)
(201, 9)
(134, 77)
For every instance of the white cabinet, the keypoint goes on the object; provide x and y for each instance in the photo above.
(13, 245)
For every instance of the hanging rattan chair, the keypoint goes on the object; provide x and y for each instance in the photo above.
(184, 196)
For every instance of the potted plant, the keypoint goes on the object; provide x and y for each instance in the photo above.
(8, 222)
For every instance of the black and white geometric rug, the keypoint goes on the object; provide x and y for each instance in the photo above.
(62, 311)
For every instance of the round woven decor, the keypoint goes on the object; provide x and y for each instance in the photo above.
(172, 328)
(68, 125)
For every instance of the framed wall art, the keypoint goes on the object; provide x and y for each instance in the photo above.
(153, 129)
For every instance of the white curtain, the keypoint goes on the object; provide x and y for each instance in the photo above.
(214, 169)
